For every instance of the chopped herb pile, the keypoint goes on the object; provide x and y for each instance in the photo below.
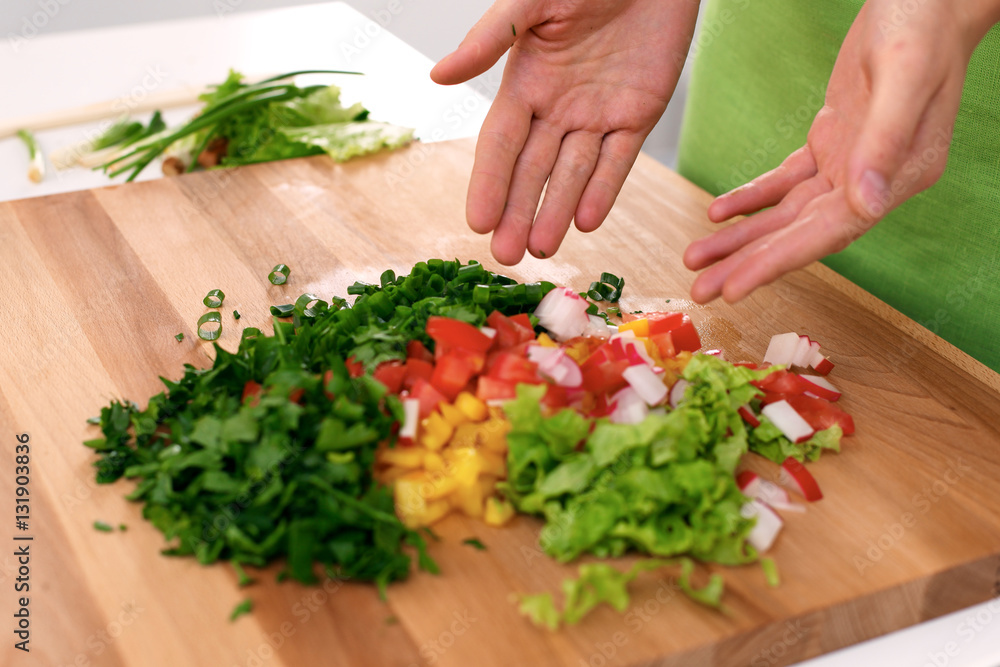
(242, 608)
(269, 453)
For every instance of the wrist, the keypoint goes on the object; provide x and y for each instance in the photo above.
(977, 17)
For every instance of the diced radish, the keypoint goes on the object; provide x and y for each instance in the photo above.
(813, 354)
(489, 332)
(677, 392)
(563, 313)
(745, 478)
(598, 328)
(789, 422)
(647, 383)
(794, 475)
(820, 387)
(713, 353)
(823, 366)
(803, 352)
(748, 416)
(556, 365)
(782, 349)
(411, 419)
(629, 407)
(769, 493)
(768, 525)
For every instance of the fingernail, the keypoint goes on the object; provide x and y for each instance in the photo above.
(874, 193)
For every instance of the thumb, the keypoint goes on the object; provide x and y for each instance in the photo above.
(901, 91)
(489, 39)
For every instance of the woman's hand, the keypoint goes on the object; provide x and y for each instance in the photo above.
(585, 82)
(882, 136)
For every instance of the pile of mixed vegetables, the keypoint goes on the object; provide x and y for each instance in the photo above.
(336, 441)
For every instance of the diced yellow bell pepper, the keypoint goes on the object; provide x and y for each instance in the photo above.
(473, 408)
(411, 496)
(494, 435)
(466, 465)
(452, 415)
(469, 500)
(433, 462)
(404, 457)
(640, 327)
(391, 474)
(545, 341)
(436, 431)
(493, 463)
(497, 512)
(438, 486)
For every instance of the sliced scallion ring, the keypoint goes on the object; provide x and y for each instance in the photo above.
(279, 274)
(209, 334)
(249, 332)
(284, 310)
(236, 315)
(302, 303)
(214, 298)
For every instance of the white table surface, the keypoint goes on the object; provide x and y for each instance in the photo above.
(62, 70)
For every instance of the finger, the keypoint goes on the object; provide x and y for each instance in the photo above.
(820, 231)
(489, 39)
(765, 190)
(903, 82)
(501, 139)
(573, 168)
(618, 153)
(531, 170)
(722, 244)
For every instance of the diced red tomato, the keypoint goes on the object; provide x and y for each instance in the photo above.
(821, 413)
(603, 377)
(451, 374)
(391, 374)
(417, 350)
(782, 382)
(512, 366)
(555, 397)
(428, 396)
(455, 333)
(525, 321)
(417, 369)
(664, 344)
(490, 388)
(602, 407)
(354, 367)
(631, 317)
(327, 376)
(510, 332)
(252, 391)
(679, 326)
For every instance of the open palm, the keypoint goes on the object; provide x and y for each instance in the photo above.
(585, 83)
(882, 136)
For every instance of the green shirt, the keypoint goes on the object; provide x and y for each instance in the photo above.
(759, 77)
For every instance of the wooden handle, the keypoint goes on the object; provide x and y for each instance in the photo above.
(165, 99)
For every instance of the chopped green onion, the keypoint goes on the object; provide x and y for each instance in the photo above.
(122, 527)
(94, 420)
(209, 334)
(179, 337)
(236, 315)
(302, 303)
(214, 298)
(36, 168)
(475, 543)
(103, 527)
(242, 608)
(279, 274)
(284, 310)
(249, 332)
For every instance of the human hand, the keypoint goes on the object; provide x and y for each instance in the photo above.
(585, 83)
(882, 136)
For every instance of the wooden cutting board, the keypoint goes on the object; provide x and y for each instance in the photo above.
(96, 284)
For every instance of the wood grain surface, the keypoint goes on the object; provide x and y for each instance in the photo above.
(95, 285)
